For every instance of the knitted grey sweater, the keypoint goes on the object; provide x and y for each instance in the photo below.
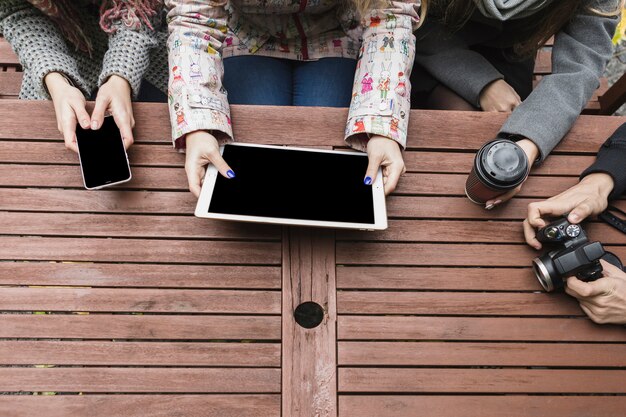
(41, 48)
(581, 51)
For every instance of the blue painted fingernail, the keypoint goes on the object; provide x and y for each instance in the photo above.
(230, 173)
(368, 181)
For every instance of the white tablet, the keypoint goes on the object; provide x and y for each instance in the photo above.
(294, 186)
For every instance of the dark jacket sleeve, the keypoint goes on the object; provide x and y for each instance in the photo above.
(39, 45)
(579, 56)
(448, 58)
(612, 160)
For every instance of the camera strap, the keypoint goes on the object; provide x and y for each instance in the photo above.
(613, 220)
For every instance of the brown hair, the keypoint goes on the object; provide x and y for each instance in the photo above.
(544, 25)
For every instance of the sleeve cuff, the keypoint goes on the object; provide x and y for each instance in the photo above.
(213, 121)
(611, 161)
(359, 129)
(128, 56)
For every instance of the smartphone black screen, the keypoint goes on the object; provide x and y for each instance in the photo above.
(102, 155)
(284, 183)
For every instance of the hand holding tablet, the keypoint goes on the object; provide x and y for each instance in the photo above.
(295, 186)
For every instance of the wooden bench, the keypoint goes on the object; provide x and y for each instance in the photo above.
(120, 302)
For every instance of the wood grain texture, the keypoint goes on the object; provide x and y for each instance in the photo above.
(355, 253)
(536, 381)
(18, 152)
(480, 354)
(7, 56)
(460, 208)
(140, 300)
(10, 83)
(104, 201)
(477, 329)
(141, 380)
(457, 303)
(103, 353)
(133, 250)
(214, 405)
(120, 275)
(480, 406)
(139, 327)
(436, 278)
(309, 361)
(132, 226)
(492, 231)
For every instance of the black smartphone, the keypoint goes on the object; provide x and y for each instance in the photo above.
(103, 158)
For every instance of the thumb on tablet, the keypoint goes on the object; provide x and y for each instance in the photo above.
(222, 166)
(372, 169)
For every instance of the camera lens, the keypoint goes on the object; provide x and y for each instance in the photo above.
(542, 274)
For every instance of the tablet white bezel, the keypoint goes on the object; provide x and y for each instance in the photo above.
(380, 210)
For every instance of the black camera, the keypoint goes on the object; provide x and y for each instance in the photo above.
(577, 257)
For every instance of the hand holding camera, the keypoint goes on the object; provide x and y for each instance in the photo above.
(576, 256)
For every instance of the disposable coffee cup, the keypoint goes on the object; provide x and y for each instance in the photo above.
(499, 166)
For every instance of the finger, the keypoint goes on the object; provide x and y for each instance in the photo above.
(580, 212)
(590, 313)
(81, 114)
(531, 235)
(68, 128)
(534, 215)
(611, 270)
(394, 172)
(123, 122)
(195, 173)
(221, 165)
(590, 289)
(372, 168)
(502, 198)
(97, 116)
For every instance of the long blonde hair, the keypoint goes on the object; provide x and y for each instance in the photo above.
(365, 6)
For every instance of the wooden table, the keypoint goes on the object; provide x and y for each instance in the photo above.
(126, 298)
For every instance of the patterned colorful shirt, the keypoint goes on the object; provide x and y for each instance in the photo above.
(202, 33)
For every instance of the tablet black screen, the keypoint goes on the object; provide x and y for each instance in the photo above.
(282, 183)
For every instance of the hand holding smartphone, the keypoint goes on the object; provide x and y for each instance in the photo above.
(103, 158)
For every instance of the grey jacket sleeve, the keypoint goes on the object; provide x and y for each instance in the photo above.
(38, 43)
(448, 58)
(129, 54)
(612, 160)
(580, 53)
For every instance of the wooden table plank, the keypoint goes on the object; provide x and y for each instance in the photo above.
(139, 327)
(466, 231)
(434, 254)
(457, 303)
(309, 355)
(436, 278)
(536, 381)
(153, 276)
(214, 405)
(480, 406)
(449, 354)
(106, 353)
(143, 250)
(141, 380)
(476, 328)
(140, 300)
(132, 226)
